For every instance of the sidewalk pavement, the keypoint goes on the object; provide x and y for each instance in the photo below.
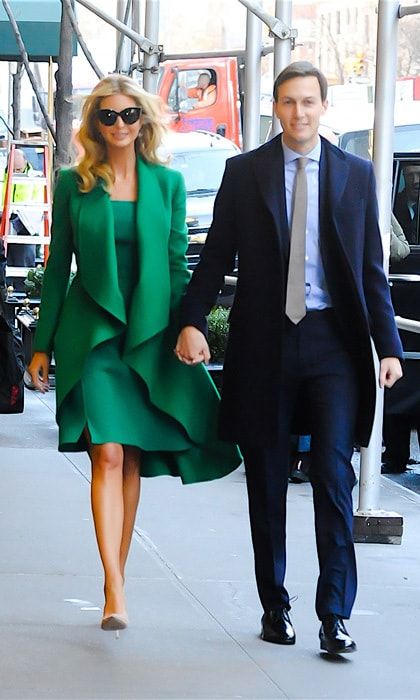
(193, 606)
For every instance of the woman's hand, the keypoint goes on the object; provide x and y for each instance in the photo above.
(192, 347)
(38, 369)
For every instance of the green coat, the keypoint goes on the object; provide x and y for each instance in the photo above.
(73, 320)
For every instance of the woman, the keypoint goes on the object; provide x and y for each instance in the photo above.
(121, 392)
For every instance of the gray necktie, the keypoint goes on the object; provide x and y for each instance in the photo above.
(295, 292)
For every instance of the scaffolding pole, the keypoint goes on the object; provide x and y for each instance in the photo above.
(282, 49)
(252, 98)
(151, 61)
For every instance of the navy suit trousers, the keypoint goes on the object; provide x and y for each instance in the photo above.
(317, 370)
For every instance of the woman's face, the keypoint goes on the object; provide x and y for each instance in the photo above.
(119, 134)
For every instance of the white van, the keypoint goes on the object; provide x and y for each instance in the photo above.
(351, 127)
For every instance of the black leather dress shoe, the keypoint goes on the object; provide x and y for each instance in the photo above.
(334, 637)
(277, 627)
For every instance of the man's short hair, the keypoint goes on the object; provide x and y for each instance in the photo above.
(301, 69)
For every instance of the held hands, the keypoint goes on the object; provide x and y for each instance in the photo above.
(192, 347)
(38, 369)
(390, 371)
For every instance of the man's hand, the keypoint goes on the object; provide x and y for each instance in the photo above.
(390, 371)
(192, 347)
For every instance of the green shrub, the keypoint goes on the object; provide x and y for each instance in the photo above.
(218, 325)
(33, 281)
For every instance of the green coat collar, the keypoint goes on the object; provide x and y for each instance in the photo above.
(150, 307)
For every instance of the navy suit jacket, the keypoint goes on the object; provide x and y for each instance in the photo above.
(250, 220)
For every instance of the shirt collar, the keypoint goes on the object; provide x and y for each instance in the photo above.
(290, 155)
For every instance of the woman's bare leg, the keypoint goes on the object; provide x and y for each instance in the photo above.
(108, 515)
(131, 496)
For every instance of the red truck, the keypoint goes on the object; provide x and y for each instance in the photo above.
(177, 80)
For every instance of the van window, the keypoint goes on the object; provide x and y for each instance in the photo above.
(406, 138)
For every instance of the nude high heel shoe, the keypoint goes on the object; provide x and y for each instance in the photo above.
(114, 623)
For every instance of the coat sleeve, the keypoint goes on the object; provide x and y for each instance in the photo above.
(178, 243)
(57, 271)
(381, 313)
(217, 257)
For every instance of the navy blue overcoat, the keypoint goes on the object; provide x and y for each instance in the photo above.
(250, 220)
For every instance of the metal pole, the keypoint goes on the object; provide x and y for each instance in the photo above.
(408, 10)
(282, 50)
(123, 55)
(252, 98)
(386, 73)
(151, 29)
(141, 41)
(135, 25)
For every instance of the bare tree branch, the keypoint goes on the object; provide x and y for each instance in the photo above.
(69, 9)
(335, 48)
(25, 60)
(64, 91)
(17, 83)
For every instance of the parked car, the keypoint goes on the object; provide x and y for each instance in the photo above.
(201, 157)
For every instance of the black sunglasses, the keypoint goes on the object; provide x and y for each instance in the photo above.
(130, 115)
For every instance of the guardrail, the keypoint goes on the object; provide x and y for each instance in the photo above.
(408, 324)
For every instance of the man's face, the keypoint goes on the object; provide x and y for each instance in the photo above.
(203, 81)
(19, 162)
(299, 107)
(412, 181)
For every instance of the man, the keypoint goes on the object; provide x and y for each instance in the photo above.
(406, 202)
(203, 92)
(290, 369)
(19, 255)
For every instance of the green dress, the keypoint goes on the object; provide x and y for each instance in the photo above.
(114, 328)
(116, 407)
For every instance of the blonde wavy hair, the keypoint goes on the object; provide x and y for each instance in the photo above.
(93, 165)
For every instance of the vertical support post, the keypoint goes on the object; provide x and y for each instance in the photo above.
(123, 53)
(151, 30)
(10, 97)
(251, 135)
(135, 24)
(386, 74)
(50, 108)
(282, 50)
(372, 524)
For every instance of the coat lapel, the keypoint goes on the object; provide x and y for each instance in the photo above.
(334, 171)
(149, 309)
(97, 259)
(269, 169)
(149, 312)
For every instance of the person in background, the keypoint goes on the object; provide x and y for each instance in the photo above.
(121, 393)
(22, 255)
(204, 92)
(406, 202)
(400, 247)
(401, 409)
(301, 215)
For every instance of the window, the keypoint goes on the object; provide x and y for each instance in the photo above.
(192, 89)
(406, 199)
